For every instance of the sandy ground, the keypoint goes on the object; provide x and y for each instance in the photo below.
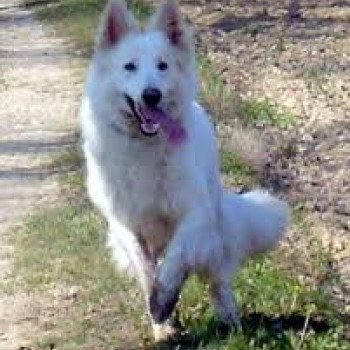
(38, 105)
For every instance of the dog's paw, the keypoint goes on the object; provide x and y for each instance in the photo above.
(164, 331)
(162, 302)
(231, 323)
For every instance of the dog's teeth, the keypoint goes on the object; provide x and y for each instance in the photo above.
(149, 128)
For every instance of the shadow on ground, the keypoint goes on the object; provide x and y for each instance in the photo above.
(304, 27)
(273, 327)
(36, 147)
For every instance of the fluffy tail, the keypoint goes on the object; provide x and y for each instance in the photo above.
(254, 220)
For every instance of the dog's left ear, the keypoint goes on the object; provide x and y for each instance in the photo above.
(169, 19)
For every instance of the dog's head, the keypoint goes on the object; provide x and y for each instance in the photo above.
(146, 73)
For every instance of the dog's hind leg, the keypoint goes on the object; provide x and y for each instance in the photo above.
(195, 247)
(225, 303)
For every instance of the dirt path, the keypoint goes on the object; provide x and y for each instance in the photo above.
(302, 64)
(38, 104)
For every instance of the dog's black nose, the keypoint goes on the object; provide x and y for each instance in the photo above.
(151, 96)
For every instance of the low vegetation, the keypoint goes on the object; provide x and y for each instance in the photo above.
(78, 18)
(228, 106)
(65, 247)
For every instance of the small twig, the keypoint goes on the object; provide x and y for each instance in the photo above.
(302, 338)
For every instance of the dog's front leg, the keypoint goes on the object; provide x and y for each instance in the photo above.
(195, 246)
(127, 250)
(133, 255)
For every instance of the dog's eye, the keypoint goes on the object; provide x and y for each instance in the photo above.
(162, 65)
(130, 67)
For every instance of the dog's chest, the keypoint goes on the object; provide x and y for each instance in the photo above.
(145, 188)
(155, 230)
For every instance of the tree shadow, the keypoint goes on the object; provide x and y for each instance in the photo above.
(46, 54)
(303, 27)
(17, 19)
(336, 3)
(34, 173)
(308, 28)
(34, 3)
(294, 321)
(316, 27)
(28, 4)
(231, 22)
(36, 147)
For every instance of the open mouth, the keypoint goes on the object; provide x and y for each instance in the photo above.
(153, 119)
(149, 120)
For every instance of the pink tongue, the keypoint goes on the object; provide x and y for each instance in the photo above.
(176, 134)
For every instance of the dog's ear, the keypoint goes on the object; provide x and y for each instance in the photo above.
(116, 22)
(169, 19)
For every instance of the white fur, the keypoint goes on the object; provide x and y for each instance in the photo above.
(159, 199)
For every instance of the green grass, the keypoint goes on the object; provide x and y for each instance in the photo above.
(72, 158)
(213, 92)
(66, 246)
(66, 239)
(275, 309)
(265, 112)
(236, 169)
(227, 105)
(74, 180)
(280, 310)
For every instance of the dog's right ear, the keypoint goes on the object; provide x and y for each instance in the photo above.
(116, 22)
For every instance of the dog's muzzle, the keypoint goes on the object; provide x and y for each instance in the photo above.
(152, 118)
(148, 126)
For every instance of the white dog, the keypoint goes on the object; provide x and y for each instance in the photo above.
(153, 171)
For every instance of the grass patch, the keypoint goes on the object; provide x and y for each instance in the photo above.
(224, 104)
(264, 112)
(73, 179)
(66, 247)
(71, 158)
(79, 19)
(236, 169)
(66, 239)
(227, 105)
(277, 313)
(281, 307)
